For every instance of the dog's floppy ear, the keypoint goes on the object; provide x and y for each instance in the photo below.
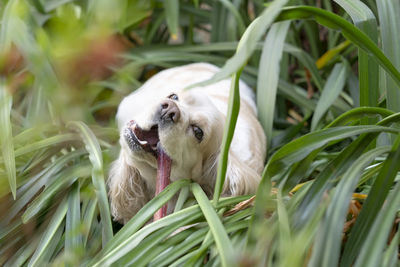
(127, 190)
(241, 179)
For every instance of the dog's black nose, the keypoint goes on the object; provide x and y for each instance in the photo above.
(169, 111)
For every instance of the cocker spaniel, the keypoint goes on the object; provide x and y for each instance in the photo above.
(188, 125)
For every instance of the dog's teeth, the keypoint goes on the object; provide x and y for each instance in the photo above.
(142, 142)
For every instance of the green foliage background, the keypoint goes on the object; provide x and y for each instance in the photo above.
(326, 75)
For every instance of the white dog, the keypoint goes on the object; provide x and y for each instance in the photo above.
(189, 126)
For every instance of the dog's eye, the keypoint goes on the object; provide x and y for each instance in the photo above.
(173, 97)
(198, 133)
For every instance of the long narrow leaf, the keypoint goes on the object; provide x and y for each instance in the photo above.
(249, 40)
(368, 69)
(171, 8)
(40, 180)
(224, 245)
(95, 156)
(356, 36)
(390, 27)
(377, 238)
(307, 61)
(329, 240)
(122, 237)
(151, 241)
(391, 253)
(47, 236)
(301, 147)
(372, 205)
(180, 249)
(268, 75)
(332, 90)
(45, 143)
(229, 128)
(62, 180)
(134, 240)
(359, 113)
(73, 240)
(7, 145)
(285, 236)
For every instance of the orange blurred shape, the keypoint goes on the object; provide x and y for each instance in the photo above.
(94, 62)
(11, 66)
(11, 61)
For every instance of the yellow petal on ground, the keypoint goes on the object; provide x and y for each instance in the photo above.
(331, 53)
(359, 196)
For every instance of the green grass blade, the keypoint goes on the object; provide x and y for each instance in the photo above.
(312, 33)
(87, 219)
(180, 249)
(285, 235)
(229, 128)
(232, 221)
(349, 31)
(303, 239)
(61, 181)
(297, 95)
(96, 158)
(73, 240)
(7, 145)
(141, 218)
(137, 254)
(39, 181)
(224, 245)
(134, 240)
(231, 227)
(394, 118)
(234, 12)
(51, 141)
(372, 205)
(390, 36)
(37, 110)
(218, 19)
(298, 149)
(368, 70)
(391, 253)
(249, 40)
(52, 248)
(326, 250)
(22, 255)
(307, 61)
(47, 236)
(377, 237)
(171, 8)
(356, 114)
(268, 75)
(332, 89)
(325, 180)
(183, 195)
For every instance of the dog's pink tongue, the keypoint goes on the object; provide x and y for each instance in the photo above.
(163, 173)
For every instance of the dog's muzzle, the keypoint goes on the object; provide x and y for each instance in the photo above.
(139, 139)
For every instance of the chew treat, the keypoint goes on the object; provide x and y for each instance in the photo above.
(163, 178)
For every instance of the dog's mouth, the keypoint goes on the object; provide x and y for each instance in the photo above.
(138, 137)
(149, 141)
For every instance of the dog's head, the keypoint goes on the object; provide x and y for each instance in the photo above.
(188, 127)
